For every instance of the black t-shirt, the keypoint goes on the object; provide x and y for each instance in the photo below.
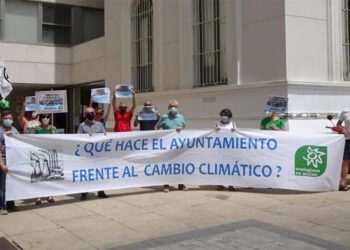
(147, 124)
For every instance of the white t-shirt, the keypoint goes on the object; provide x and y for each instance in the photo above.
(345, 117)
(229, 125)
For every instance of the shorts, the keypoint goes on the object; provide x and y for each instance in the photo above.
(346, 156)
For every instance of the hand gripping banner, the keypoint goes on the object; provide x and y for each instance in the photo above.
(56, 164)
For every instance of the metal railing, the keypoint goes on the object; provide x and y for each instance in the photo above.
(142, 46)
(209, 46)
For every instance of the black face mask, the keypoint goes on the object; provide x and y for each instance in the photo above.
(90, 116)
(122, 109)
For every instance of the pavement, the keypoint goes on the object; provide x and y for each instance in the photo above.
(201, 218)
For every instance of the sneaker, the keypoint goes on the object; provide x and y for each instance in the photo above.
(220, 188)
(102, 194)
(231, 188)
(3, 211)
(83, 196)
(38, 201)
(166, 189)
(50, 199)
(183, 187)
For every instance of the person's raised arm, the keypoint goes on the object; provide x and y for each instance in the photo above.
(114, 102)
(90, 103)
(133, 107)
(21, 118)
(107, 113)
(136, 122)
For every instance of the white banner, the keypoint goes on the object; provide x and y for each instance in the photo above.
(45, 165)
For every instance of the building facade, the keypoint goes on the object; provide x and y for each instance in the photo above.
(208, 54)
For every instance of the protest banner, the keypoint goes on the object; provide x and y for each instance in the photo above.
(54, 101)
(147, 113)
(45, 165)
(276, 104)
(100, 95)
(30, 104)
(124, 91)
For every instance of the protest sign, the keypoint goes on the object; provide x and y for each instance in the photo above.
(124, 91)
(100, 95)
(45, 165)
(276, 104)
(30, 104)
(54, 101)
(147, 113)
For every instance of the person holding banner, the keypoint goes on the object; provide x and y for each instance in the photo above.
(345, 118)
(45, 128)
(28, 120)
(123, 116)
(172, 120)
(273, 122)
(225, 123)
(6, 128)
(91, 126)
(146, 124)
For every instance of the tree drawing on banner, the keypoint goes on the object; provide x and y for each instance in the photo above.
(46, 165)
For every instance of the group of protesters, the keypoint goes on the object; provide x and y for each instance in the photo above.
(95, 122)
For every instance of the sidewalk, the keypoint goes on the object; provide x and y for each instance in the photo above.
(149, 218)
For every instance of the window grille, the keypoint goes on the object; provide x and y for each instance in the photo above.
(141, 43)
(209, 47)
(346, 41)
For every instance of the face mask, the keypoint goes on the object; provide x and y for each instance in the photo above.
(225, 119)
(33, 115)
(45, 120)
(7, 122)
(173, 110)
(90, 116)
(122, 109)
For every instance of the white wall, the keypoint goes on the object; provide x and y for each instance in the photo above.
(36, 64)
(306, 40)
(263, 41)
(88, 61)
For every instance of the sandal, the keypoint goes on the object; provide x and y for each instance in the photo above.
(342, 188)
(50, 199)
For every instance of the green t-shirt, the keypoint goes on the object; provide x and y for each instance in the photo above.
(41, 130)
(171, 122)
(267, 122)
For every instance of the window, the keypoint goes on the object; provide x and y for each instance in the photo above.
(93, 24)
(346, 40)
(141, 43)
(21, 21)
(56, 24)
(88, 24)
(209, 49)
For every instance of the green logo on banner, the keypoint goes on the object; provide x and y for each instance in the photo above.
(310, 161)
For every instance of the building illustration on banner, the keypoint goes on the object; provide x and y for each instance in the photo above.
(46, 165)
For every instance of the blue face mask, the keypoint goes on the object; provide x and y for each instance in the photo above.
(225, 119)
(173, 110)
(7, 122)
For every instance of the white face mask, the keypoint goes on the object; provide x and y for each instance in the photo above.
(46, 121)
